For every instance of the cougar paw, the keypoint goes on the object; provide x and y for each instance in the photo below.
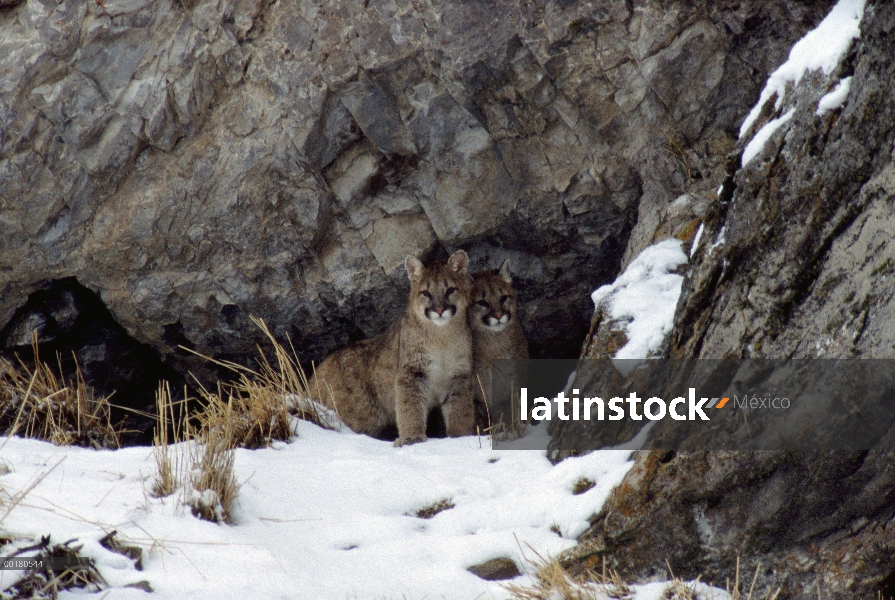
(406, 441)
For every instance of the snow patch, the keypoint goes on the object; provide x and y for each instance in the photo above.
(764, 134)
(835, 98)
(646, 296)
(696, 239)
(820, 49)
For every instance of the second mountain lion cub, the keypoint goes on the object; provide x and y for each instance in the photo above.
(423, 360)
(496, 332)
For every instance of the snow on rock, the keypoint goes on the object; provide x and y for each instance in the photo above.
(645, 295)
(820, 49)
(696, 239)
(328, 515)
(835, 98)
(764, 134)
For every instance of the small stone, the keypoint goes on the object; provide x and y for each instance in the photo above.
(141, 585)
(496, 569)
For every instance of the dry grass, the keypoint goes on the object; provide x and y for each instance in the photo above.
(503, 431)
(38, 404)
(552, 582)
(212, 485)
(168, 462)
(196, 460)
(678, 590)
(736, 592)
(250, 412)
(254, 413)
(257, 406)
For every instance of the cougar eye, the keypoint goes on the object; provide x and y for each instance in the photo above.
(504, 298)
(483, 304)
(426, 294)
(450, 291)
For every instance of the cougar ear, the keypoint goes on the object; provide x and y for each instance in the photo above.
(458, 261)
(414, 267)
(504, 271)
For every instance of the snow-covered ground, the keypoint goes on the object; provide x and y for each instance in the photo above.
(328, 515)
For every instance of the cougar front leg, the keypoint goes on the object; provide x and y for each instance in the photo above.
(458, 408)
(410, 412)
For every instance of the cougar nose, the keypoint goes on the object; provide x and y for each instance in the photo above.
(439, 311)
(498, 315)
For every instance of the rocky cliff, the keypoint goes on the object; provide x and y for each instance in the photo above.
(796, 262)
(191, 163)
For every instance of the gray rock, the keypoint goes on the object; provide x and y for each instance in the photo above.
(194, 163)
(803, 270)
(496, 569)
(801, 521)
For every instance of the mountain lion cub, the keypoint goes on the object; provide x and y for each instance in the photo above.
(496, 331)
(423, 360)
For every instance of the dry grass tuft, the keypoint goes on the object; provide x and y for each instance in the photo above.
(678, 590)
(254, 413)
(552, 582)
(258, 405)
(502, 431)
(196, 460)
(212, 485)
(168, 462)
(38, 404)
(736, 592)
(250, 412)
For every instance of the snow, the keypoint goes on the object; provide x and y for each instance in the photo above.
(720, 240)
(764, 134)
(835, 98)
(328, 515)
(820, 49)
(696, 239)
(646, 295)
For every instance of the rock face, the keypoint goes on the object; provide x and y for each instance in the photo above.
(796, 262)
(803, 522)
(197, 162)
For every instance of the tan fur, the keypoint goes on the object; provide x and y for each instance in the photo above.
(397, 377)
(493, 299)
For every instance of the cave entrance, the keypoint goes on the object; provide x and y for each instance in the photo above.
(76, 330)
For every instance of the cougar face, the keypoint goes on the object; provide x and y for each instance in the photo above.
(494, 300)
(440, 291)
